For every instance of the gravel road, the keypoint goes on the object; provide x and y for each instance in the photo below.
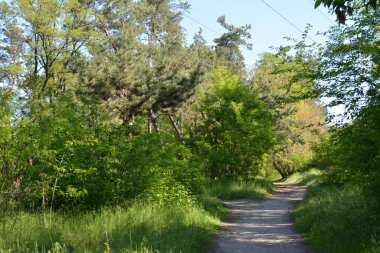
(262, 226)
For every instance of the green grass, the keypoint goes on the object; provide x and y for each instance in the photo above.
(140, 228)
(307, 178)
(256, 188)
(338, 220)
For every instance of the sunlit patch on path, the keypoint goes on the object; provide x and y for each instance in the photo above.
(262, 226)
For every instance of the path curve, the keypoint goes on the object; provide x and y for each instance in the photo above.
(262, 226)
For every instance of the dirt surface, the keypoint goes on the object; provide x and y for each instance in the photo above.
(262, 226)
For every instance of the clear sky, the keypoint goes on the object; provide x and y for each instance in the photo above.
(268, 27)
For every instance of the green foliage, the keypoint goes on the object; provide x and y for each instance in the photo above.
(142, 64)
(83, 81)
(42, 45)
(297, 120)
(346, 7)
(73, 161)
(10, 179)
(352, 152)
(228, 45)
(349, 63)
(344, 71)
(236, 130)
(165, 173)
(332, 216)
(61, 149)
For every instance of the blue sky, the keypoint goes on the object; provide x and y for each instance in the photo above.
(268, 28)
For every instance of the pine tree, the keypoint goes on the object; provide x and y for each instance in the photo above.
(147, 68)
(228, 45)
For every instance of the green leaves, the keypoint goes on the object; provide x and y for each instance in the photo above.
(342, 8)
(228, 46)
(236, 131)
(317, 3)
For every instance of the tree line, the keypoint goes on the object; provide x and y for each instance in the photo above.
(102, 102)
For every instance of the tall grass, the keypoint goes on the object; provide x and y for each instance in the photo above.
(339, 220)
(308, 177)
(140, 228)
(254, 188)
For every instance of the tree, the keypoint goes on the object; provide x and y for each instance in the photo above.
(346, 7)
(228, 45)
(10, 176)
(11, 48)
(148, 69)
(348, 69)
(49, 35)
(299, 122)
(351, 154)
(236, 129)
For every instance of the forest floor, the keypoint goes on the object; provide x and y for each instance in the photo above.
(262, 226)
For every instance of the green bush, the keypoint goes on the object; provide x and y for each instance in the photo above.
(352, 153)
(236, 132)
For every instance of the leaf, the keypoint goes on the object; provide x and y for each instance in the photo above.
(317, 3)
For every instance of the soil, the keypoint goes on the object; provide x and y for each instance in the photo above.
(263, 226)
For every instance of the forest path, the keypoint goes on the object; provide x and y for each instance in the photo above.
(262, 226)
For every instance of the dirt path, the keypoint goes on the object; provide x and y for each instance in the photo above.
(262, 226)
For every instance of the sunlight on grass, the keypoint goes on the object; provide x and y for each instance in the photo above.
(307, 178)
(338, 219)
(141, 228)
(241, 188)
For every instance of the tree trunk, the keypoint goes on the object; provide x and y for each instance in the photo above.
(175, 126)
(280, 169)
(150, 122)
(155, 123)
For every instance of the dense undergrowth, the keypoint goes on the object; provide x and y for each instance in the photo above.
(337, 218)
(138, 228)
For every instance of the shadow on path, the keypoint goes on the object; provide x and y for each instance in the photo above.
(262, 226)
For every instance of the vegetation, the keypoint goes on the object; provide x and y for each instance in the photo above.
(117, 135)
(299, 122)
(142, 227)
(238, 188)
(309, 177)
(343, 202)
(346, 8)
(331, 216)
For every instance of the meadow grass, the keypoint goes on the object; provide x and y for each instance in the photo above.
(336, 219)
(140, 228)
(308, 177)
(251, 188)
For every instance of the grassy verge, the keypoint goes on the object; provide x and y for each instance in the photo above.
(140, 228)
(307, 178)
(336, 219)
(241, 188)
